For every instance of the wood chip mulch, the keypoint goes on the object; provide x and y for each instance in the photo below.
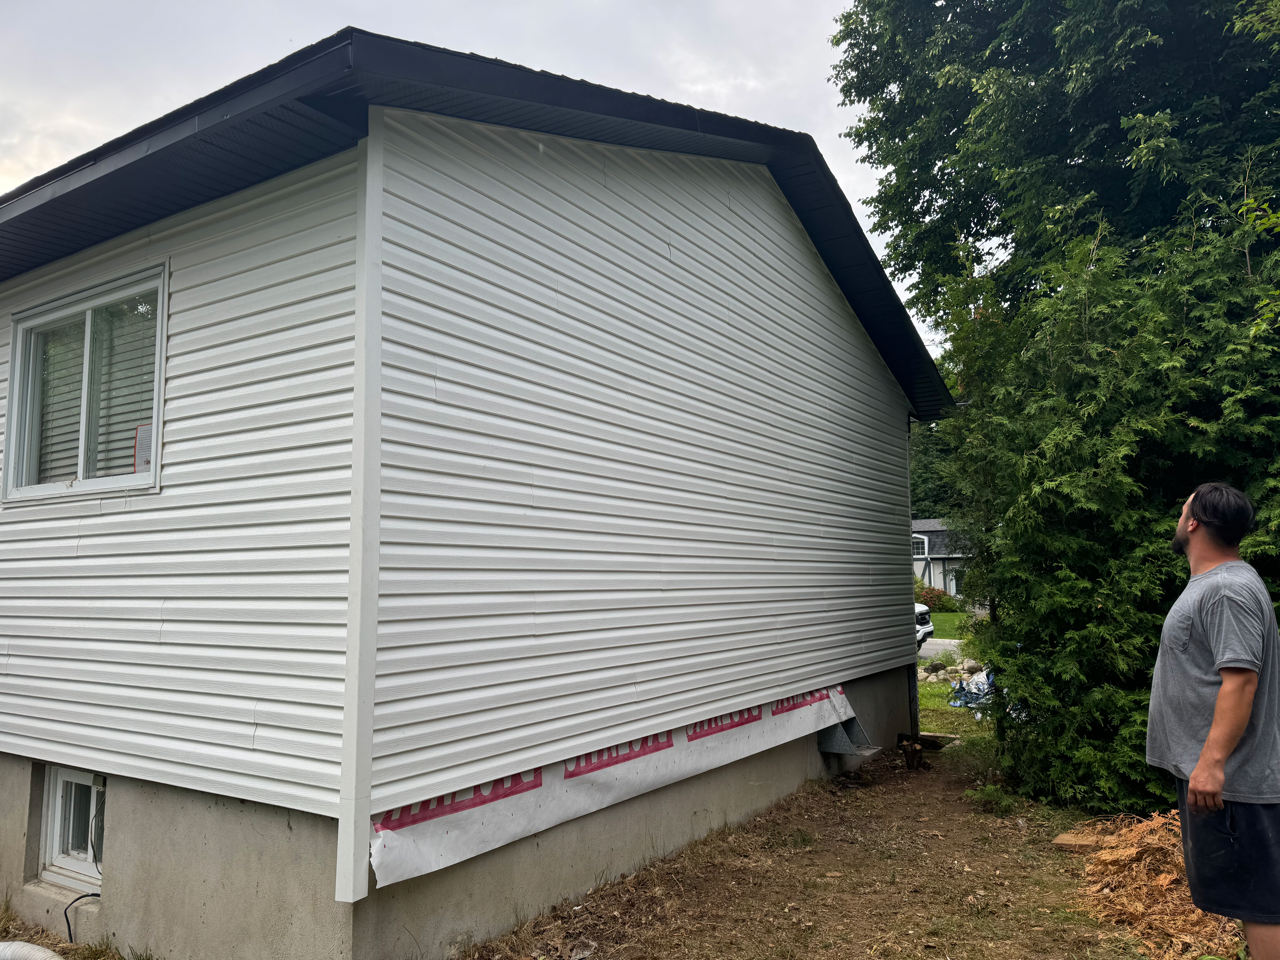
(1137, 878)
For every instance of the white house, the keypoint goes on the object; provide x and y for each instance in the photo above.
(935, 557)
(438, 482)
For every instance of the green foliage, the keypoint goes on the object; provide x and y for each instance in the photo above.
(1262, 20)
(930, 492)
(997, 121)
(947, 658)
(936, 599)
(992, 798)
(1086, 194)
(1141, 373)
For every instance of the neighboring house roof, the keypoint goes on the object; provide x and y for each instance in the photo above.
(314, 102)
(924, 526)
(938, 536)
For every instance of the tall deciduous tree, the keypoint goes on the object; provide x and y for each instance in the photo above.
(1082, 191)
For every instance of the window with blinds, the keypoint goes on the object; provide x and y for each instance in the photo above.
(122, 384)
(60, 354)
(89, 391)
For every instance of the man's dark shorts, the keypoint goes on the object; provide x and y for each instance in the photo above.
(1233, 858)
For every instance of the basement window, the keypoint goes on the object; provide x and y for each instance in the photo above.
(86, 392)
(74, 812)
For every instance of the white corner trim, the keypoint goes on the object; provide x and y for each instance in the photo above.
(354, 825)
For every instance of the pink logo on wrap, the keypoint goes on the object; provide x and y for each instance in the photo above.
(726, 721)
(449, 803)
(787, 704)
(631, 750)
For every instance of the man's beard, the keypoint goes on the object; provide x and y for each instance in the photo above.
(1179, 544)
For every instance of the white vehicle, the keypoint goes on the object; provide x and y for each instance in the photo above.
(924, 626)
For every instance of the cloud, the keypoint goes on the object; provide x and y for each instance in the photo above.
(33, 140)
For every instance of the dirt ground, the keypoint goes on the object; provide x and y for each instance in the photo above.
(884, 862)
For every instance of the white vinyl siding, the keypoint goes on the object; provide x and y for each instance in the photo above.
(196, 636)
(641, 464)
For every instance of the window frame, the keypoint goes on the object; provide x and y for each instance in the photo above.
(56, 867)
(21, 411)
(924, 542)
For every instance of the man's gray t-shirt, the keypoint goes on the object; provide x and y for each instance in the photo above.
(1224, 618)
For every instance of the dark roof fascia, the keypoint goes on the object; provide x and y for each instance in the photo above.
(321, 94)
(387, 56)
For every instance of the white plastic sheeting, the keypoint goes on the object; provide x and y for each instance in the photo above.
(417, 839)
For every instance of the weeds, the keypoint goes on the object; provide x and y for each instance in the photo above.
(101, 949)
(994, 799)
(947, 657)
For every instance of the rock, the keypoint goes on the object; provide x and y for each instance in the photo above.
(936, 666)
(921, 675)
(933, 678)
(971, 666)
(966, 677)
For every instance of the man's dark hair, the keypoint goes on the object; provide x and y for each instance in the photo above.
(1224, 511)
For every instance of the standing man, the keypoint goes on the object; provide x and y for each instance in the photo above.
(1215, 719)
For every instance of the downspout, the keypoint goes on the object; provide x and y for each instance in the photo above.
(366, 514)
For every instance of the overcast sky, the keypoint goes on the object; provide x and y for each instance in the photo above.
(78, 72)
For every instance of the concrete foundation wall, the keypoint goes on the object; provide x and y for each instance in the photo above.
(185, 874)
(479, 898)
(882, 703)
(192, 876)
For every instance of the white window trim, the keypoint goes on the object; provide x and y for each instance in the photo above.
(71, 872)
(923, 539)
(18, 414)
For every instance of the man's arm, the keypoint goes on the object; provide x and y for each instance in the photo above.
(1230, 717)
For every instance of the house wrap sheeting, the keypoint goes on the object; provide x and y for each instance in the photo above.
(640, 463)
(197, 637)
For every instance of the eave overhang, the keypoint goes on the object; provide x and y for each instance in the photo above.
(314, 104)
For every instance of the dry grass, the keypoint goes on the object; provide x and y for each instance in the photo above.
(1138, 878)
(12, 927)
(886, 862)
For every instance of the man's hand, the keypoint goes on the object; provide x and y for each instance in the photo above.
(1230, 717)
(1204, 790)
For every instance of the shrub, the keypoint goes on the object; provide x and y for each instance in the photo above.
(1112, 318)
(939, 601)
